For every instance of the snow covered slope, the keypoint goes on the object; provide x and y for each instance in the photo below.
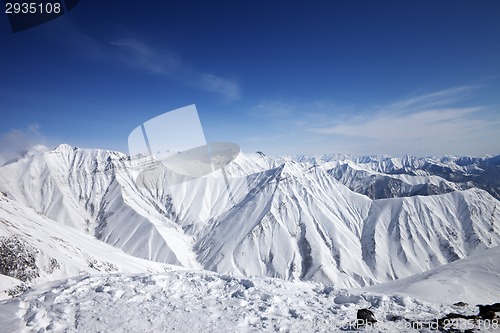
(94, 191)
(474, 280)
(306, 225)
(198, 301)
(80, 213)
(386, 177)
(267, 217)
(378, 185)
(35, 249)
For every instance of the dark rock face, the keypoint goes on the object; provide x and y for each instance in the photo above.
(460, 304)
(489, 311)
(18, 259)
(452, 321)
(365, 316)
(17, 290)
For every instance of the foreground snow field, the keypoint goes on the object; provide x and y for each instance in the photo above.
(475, 280)
(200, 301)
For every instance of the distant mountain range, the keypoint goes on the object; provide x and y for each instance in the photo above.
(381, 177)
(350, 221)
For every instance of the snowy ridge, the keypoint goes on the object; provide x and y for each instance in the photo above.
(377, 185)
(55, 251)
(94, 191)
(474, 280)
(300, 227)
(271, 217)
(259, 224)
(386, 177)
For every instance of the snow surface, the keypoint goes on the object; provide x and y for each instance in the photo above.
(197, 301)
(474, 280)
(60, 251)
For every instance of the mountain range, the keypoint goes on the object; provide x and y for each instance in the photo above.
(334, 219)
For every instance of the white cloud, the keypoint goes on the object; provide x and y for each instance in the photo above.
(272, 109)
(437, 122)
(430, 132)
(227, 88)
(429, 124)
(430, 100)
(142, 56)
(17, 141)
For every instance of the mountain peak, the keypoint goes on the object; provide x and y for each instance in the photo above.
(64, 147)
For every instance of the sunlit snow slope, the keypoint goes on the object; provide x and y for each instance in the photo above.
(272, 217)
(475, 280)
(36, 249)
(200, 301)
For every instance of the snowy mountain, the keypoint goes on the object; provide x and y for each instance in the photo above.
(280, 218)
(95, 240)
(386, 177)
(94, 192)
(36, 249)
(474, 280)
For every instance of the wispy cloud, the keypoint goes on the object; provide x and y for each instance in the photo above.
(17, 141)
(226, 87)
(435, 123)
(272, 109)
(142, 56)
(136, 53)
(431, 100)
(296, 113)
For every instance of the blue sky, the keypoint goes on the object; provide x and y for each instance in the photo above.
(284, 77)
